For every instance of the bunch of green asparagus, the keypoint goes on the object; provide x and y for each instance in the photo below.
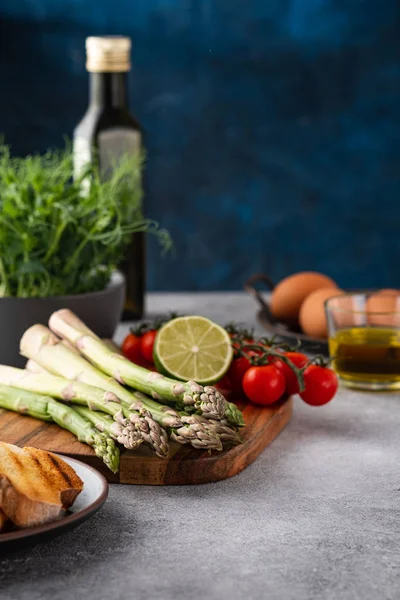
(85, 385)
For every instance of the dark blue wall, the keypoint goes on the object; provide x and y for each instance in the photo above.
(273, 126)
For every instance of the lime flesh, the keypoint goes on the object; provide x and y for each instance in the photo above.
(193, 348)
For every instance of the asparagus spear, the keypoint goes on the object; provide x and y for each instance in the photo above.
(137, 427)
(112, 346)
(103, 445)
(196, 432)
(233, 415)
(25, 403)
(223, 429)
(48, 409)
(164, 415)
(152, 433)
(106, 424)
(58, 387)
(182, 428)
(34, 367)
(101, 421)
(207, 400)
(75, 392)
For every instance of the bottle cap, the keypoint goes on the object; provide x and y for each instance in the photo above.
(108, 54)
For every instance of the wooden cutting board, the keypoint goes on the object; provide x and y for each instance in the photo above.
(185, 465)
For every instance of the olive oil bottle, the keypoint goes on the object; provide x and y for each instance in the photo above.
(109, 128)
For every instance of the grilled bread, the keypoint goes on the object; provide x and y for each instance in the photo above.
(35, 485)
(4, 521)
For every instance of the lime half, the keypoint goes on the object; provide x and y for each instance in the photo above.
(193, 348)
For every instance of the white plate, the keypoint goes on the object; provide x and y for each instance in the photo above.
(89, 501)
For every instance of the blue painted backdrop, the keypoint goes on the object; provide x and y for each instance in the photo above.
(272, 126)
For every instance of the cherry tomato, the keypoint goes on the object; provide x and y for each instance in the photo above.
(147, 345)
(299, 360)
(236, 372)
(321, 385)
(131, 348)
(264, 385)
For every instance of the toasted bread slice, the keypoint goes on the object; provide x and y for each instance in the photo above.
(4, 521)
(35, 485)
(61, 475)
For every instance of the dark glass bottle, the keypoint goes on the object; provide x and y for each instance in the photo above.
(109, 127)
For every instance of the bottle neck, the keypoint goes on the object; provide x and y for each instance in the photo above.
(108, 90)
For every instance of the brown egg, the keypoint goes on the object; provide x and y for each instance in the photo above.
(312, 312)
(388, 292)
(381, 308)
(290, 293)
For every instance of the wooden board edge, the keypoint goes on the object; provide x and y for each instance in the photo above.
(196, 469)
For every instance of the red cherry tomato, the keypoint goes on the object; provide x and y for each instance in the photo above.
(236, 372)
(299, 360)
(147, 345)
(264, 385)
(321, 385)
(131, 348)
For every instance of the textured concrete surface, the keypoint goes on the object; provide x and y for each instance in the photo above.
(316, 517)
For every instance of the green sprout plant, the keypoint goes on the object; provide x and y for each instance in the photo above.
(59, 236)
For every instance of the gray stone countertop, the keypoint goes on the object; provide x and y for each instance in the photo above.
(317, 516)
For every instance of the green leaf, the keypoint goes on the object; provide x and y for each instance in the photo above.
(31, 267)
(9, 207)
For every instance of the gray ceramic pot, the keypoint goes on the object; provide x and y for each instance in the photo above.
(101, 311)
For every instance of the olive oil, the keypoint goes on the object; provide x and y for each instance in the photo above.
(369, 357)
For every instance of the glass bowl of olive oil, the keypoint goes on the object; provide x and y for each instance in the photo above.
(364, 339)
